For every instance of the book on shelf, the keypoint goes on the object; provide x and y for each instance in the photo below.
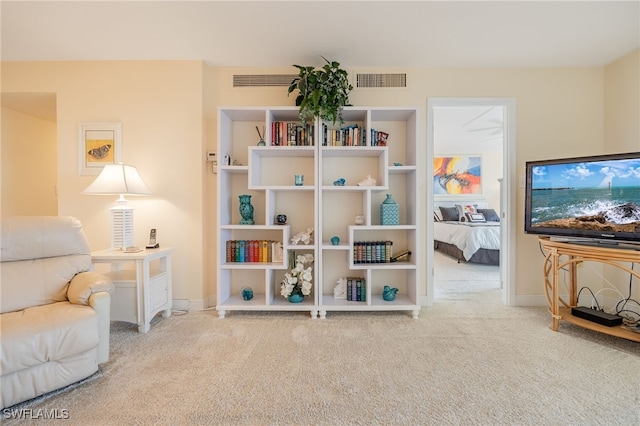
(356, 289)
(379, 138)
(250, 251)
(350, 135)
(290, 133)
(372, 251)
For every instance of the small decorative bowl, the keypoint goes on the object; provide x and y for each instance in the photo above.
(339, 182)
(335, 240)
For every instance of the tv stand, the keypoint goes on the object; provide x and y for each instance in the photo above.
(568, 255)
(597, 242)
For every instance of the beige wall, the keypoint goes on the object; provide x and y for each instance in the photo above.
(622, 133)
(168, 111)
(29, 165)
(160, 107)
(622, 104)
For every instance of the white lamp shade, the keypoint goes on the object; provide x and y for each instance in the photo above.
(118, 179)
(123, 180)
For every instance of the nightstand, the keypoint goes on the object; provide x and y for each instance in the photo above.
(142, 284)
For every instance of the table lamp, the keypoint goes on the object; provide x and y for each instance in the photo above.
(119, 179)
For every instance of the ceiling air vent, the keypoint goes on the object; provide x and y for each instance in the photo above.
(263, 80)
(381, 80)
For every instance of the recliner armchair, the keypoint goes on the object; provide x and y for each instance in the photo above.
(54, 311)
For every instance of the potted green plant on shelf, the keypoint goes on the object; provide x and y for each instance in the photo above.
(322, 92)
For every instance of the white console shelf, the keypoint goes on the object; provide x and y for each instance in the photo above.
(266, 173)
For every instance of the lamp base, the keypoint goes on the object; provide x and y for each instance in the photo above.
(121, 227)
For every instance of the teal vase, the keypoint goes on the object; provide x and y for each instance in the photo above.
(389, 212)
(246, 210)
(296, 297)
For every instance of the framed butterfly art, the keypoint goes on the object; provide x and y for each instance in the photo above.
(99, 144)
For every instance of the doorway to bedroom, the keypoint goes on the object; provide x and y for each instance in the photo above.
(469, 154)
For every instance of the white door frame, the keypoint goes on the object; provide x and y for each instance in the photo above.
(507, 196)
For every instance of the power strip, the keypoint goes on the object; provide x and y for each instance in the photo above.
(594, 315)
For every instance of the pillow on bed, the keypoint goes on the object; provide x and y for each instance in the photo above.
(490, 215)
(436, 218)
(464, 209)
(449, 214)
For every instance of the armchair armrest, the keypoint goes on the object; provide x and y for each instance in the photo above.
(84, 284)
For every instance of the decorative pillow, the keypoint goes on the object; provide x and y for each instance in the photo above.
(490, 215)
(436, 218)
(464, 209)
(449, 214)
(475, 217)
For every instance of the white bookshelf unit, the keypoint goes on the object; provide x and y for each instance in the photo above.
(267, 174)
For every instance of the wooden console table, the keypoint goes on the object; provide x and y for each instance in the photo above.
(560, 255)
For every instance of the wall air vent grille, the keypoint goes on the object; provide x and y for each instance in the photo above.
(263, 80)
(381, 80)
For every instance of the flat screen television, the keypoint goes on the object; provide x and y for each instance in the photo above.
(593, 200)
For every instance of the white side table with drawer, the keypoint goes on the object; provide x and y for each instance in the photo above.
(140, 292)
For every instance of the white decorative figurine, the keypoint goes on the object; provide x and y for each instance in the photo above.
(303, 237)
(340, 290)
(369, 181)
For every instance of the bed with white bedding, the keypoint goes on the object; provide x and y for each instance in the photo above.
(476, 242)
(473, 242)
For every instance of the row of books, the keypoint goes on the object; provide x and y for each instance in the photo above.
(351, 135)
(250, 250)
(356, 289)
(372, 251)
(287, 133)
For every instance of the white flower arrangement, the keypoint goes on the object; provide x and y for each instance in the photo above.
(300, 277)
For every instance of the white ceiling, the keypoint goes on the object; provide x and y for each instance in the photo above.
(358, 34)
(354, 33)
(468, 129)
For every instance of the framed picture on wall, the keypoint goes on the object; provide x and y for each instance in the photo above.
(99, 144)
(457, 175)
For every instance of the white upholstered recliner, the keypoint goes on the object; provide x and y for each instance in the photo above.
(54, 317)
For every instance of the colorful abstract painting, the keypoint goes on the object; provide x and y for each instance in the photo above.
(457, 175)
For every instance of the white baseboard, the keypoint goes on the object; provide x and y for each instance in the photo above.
(187, 305)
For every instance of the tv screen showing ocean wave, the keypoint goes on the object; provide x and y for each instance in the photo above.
(617, 205)
(604, 191)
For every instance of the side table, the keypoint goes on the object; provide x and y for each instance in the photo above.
(142, 292)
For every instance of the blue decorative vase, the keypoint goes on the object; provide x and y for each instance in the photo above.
(389, 294)
(296, 297)
(246, 210)
(335, 240)
(389, 212)
(247, 293)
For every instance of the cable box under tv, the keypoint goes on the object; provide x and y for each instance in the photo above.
(596, 316)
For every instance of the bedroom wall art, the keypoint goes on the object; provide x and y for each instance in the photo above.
(457, 175)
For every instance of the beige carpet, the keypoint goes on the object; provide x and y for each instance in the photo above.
(468, 360)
